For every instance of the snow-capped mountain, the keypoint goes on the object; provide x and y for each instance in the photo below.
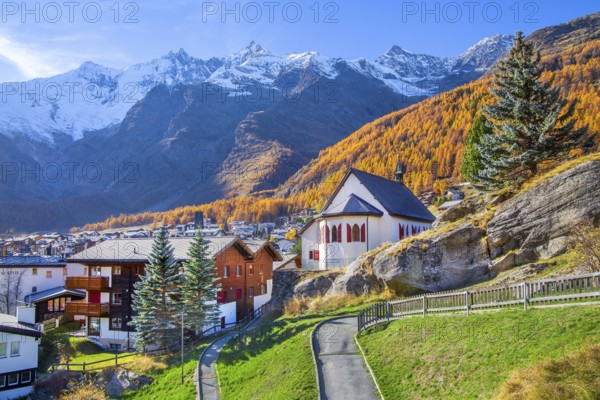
(93, 97)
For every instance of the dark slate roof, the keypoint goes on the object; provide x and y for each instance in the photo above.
(32, 261)
(53, 294)
(10, 324)
(396, 198)
(352, 205)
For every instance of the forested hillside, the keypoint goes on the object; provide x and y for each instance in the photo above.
(428, 137)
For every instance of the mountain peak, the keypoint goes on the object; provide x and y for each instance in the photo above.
(252, 50)
(181, 55)
(397, 50)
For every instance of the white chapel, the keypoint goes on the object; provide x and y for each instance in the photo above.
(364, 212)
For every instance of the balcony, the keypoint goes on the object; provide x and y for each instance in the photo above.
(87, 309)
(95, 283)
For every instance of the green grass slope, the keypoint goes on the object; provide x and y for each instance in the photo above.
(470, 357)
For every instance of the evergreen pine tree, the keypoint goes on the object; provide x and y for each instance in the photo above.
(531, 121)
(157, 297)
(200, 287)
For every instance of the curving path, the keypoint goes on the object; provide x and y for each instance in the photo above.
(341, 371)
(208, 382)
(207, 387)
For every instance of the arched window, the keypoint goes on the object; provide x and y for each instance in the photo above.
(355, 233)
(340, 233)
(334, 234)
(326, 233)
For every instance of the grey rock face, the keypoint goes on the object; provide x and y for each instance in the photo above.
(357, 281)
(537, 218)
(452, 260)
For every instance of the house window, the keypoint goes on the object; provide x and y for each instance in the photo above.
(115, 347)
(221, 297)
(311, 255)
(13, 379)
(116, 270)
(238, 294)
(116, 323)
(251, 291)
(334, 234)
(15, 349)
(117, 297)
(95, 271)
(2, 381)
(239, 270)
(25, 376)
(226, 271)
(251, 269)
(65, 272)
(260, 269)
(33, 289)
(51, 305)
(48, 274)
(63, 303)
(3, 350)
(34, 271)
(355, 233)
(316, 255)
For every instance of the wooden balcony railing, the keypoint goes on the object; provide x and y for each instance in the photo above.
(96, 283)
(88, 309)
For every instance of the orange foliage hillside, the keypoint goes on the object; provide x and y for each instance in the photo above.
(428, 137)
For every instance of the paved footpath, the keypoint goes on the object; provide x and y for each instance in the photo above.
(209, 384)
(340, 367)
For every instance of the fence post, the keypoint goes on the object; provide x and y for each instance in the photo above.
(388, 311)
(525, 290)
(424, 305)
(67, 365)
(468, 302)
(83, 367)
(116, 360)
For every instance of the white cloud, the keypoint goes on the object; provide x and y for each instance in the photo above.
(31, 62)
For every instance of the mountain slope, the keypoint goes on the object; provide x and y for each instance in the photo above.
(428, 136)
(180, 130)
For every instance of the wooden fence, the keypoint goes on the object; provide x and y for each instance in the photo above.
(563, 290)
(211, 333)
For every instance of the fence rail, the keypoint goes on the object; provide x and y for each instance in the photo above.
(212, 333)
(569, 289)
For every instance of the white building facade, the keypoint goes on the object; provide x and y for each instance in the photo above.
(19, 342)
(364, 212)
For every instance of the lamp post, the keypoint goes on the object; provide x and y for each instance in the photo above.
(182, 348)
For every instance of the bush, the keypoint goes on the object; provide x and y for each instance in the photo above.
(87, 390)
(585, 246)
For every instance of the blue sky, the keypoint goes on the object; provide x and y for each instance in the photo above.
(45, 38)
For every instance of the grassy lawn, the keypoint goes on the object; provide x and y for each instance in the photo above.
(470, 357)
(274, 361)
(82, 350)
(166, 372)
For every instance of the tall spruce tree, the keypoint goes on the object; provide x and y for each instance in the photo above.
(472, 161)
(157, 297)
(199, 291)
(531, 121)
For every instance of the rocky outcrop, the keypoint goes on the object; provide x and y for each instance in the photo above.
(447, 261)
(290, 284)
(539, 219)
(356, 280)
(124, 380)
